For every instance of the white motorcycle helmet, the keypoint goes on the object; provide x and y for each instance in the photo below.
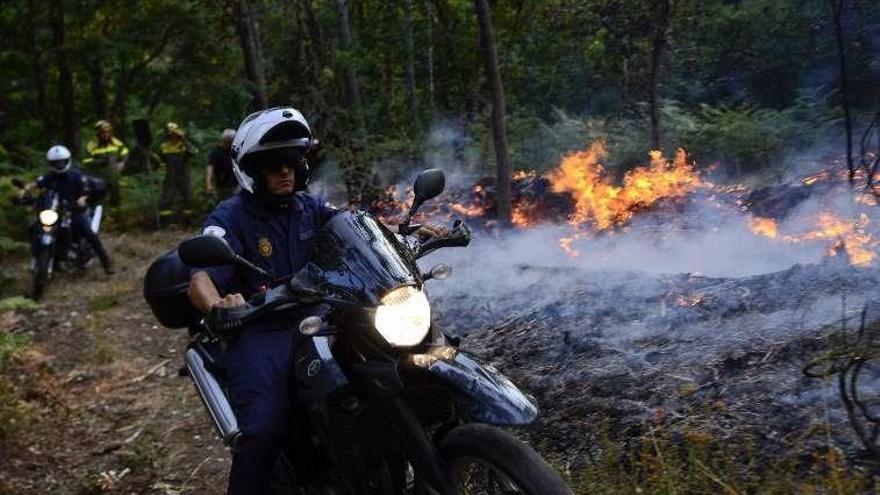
(59, 159)
(279, 130)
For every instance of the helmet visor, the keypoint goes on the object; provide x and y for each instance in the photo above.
(58, 165)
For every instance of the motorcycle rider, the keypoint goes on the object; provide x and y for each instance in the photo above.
(271, 222)
(72, 187)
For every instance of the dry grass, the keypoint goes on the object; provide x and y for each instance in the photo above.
(693, 462)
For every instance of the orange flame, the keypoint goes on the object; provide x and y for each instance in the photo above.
(850, 236)
(846, 235)
(565, 243)
(766, 227)
(606, 205)
(472, 210)
(521, 216)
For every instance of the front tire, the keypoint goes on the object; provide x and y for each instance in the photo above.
(40, 275)
(484, 459)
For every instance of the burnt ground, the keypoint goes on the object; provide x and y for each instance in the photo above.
(104, 411)
(616, 353)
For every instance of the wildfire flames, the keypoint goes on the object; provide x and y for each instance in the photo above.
(604, 205)
(581, 191)
(847, 236)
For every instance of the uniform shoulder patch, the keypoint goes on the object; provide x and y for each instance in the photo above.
(214, 230)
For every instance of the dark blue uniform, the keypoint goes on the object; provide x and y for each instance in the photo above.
(70, 186)
(257, 361)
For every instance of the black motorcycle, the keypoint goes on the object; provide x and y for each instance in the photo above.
(385, 403)
(54, 243)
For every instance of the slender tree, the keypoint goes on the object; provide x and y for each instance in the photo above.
(351, 84)
(38, 71)
(499, 131)
(430, 27)
(247, 28)
(661, 15)
(410, 65)
(837, 7)
(66, 92)
(99, 87)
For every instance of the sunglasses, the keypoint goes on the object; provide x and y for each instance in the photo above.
(277, 166)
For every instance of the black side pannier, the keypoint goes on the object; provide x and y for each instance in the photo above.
(97, 189)
(165, 291)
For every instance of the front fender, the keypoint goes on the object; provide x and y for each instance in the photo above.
(485, 394)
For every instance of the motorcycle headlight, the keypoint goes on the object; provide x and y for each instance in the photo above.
(404, 317)
(48, 217)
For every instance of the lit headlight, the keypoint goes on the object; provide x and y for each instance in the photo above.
(404, 317)
(48, 217)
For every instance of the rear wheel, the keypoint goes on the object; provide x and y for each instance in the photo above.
(484, 460)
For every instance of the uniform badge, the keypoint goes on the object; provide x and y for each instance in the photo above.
(265, 247)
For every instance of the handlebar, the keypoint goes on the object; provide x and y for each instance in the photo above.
(222, 322)
(460, 236)
(295, 292)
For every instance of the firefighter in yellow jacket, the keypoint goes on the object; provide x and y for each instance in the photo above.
(175, 151)
(106, 158)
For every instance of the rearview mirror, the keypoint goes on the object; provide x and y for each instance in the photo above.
(18, 183)
(206, 251)
(428, 184)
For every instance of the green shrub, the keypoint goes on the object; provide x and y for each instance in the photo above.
(18, 302)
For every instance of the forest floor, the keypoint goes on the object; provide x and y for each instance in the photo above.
(99, 406)
(103, 409)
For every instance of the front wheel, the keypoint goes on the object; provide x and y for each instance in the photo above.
(40, 275)
(486, 460)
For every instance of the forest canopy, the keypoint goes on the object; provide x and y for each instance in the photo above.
(737, 81)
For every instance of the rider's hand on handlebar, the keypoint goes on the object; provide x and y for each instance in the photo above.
(230, 301)
(81, 202)
(428, 231)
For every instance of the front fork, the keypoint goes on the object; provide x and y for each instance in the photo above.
(421, 451)
(316, 368)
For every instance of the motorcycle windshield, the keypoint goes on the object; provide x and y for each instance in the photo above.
(356, 257)
(48, 200)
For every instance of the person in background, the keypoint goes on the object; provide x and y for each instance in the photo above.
(219, 169)
(175, 152)
(105, 158)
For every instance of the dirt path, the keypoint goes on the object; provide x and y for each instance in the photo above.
(105, 411)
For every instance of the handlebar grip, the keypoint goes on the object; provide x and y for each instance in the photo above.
(222, 322)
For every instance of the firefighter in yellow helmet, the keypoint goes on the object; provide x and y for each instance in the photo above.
(106, 158)
(175, 152)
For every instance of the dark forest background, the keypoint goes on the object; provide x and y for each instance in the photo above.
(744, 83)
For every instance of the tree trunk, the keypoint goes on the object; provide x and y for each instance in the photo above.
(247, 28)
(410, 65)
(499, 132)
(353, 92)
(38, 73)
(120, 109)
(430, 11)
(388, 89)
(837, 9)
(99, 88)
(661, 17)
(65, 77)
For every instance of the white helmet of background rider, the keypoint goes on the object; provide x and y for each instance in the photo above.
(281, 130)
(59, 159)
